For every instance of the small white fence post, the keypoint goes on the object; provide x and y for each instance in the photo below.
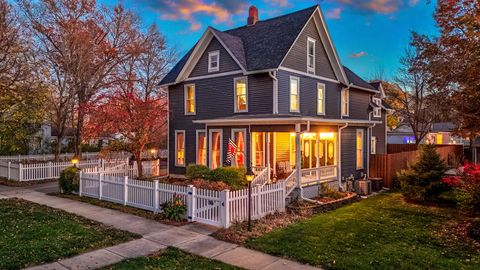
(225, 209)
(259, 200)
(282, 208)
(49, 174)
(80, 186)
(100, 188)
(191, 203)
(125, 190)
(8, 173)
(155, 200)
(20, 172)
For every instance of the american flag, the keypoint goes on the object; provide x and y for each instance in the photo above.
(232, 148)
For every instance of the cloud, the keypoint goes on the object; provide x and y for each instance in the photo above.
(281, 3)
(358, 55)
(375, 6)
(187, 10)
(413, 2)
(334, 13)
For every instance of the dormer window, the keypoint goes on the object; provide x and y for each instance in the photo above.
(213, 61)
(311, 55)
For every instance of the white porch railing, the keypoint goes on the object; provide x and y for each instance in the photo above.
(261, 178)
(318, 174)
(290, 182)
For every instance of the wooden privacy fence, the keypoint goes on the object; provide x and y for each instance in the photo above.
(398, 148)
(217, 208)
(387, 166)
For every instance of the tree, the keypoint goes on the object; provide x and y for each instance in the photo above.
(453, 61)
(135, 106)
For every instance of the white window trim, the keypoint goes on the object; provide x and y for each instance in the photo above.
(185, 95)
(290, 93)
(232, 136)
(235, 93)
(196, 145)
(363, 149)
(373, 145)
(323, 98)
(377, 112)
(184, 148)
(311, 69)
(210, 147)
(348, 102)
(210, 68)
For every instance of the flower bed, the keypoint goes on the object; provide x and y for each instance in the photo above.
(324, 204)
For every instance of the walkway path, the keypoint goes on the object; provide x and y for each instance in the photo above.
(193, 238)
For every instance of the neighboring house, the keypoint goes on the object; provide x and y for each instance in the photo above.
(379, 131)
(476, 151)
(439, 133)
(278, 90)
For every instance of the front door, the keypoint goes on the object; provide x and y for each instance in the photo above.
(309, 151)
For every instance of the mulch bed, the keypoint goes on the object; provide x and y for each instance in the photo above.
(13, 183)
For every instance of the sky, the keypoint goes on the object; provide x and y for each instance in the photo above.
(369, 35)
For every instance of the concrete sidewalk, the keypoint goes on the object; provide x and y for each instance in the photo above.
(193, 238)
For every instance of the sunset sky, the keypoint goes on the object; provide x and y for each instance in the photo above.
(370, 35)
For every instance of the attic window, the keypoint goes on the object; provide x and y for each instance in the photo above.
(377, 111)
(213, 61)
(311, 55)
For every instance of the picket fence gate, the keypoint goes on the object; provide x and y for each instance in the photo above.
(217, 208)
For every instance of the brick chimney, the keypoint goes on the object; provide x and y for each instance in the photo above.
(252, 15)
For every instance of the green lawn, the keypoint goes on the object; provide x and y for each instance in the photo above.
(382, 232)
(32, 234)
(172, 259)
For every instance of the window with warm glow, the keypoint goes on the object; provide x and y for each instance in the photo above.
(311, 55)
(345, 101)
(215, 149)
(241, 95)
(213, 61)
(320, 98)
(201, 147)
(373, 147)
(258, 140)
(359, 149)
(190, 99)
(239, 139)
(294, 94)
(179, 148)
(439, 138)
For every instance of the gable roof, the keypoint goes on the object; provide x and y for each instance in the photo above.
(264, 45)
(356, 80)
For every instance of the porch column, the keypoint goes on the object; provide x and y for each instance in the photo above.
(298, 158)
(267, 155)
(318, 155)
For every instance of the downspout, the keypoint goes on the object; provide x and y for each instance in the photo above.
(369, 139)
(273, 75)
(340, 154)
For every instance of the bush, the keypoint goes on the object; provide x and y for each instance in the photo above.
(466, 188)
(175, 209)
(69, 180)
(422, 182)
(474, 230)
(235, 177)
(197, 171)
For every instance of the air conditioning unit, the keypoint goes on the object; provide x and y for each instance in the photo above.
(363, 187)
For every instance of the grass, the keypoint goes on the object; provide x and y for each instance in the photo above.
(382, 232)
(172, 259)
(33, 234)
(13, 183)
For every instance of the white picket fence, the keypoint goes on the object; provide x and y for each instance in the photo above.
(149, 168)
(217, 208)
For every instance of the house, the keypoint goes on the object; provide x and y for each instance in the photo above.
(277, 88)
(439, 133)
(379, 131)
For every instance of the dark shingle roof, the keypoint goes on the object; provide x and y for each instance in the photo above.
(443, 127)
(356, 80)
(173, 74)
(234, 44)
(376, 84)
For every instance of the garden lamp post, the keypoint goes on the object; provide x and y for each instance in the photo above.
(74, 161)
(249, 176)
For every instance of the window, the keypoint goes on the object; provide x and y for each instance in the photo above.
(241, 95)
(190, 99)
(311, 55)
(373, 147)
(345, 101)
(439, 138)
(377, 111)
(238, 136)
(359, 149)
(294, 94)
(258, 147)
(216, 147)
(213, 61)
(201, 147)
(180, 148)
(320, 98)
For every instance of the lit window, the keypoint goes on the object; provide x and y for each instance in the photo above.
(439, 138)
(241, 102)
(345, 101)
(179, 148)
(239, 139)
(190, 99)
(373, 149)
(311, 55)
(215, 148)
(320, 98)
(201, 147)
(258, 148)
(294, 94)
(359, 149)
(377, 111)
(213, 61)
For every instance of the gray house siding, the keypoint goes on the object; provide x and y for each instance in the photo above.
(227, 63)
(297, 57)
(308, 95)
(359, 104)
(349, 149)
(380, 133)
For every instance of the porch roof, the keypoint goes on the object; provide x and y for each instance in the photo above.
(281, 119)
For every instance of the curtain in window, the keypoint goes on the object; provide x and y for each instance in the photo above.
(216, 145)
(202, 149)
(180, 148)
(239, 138)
